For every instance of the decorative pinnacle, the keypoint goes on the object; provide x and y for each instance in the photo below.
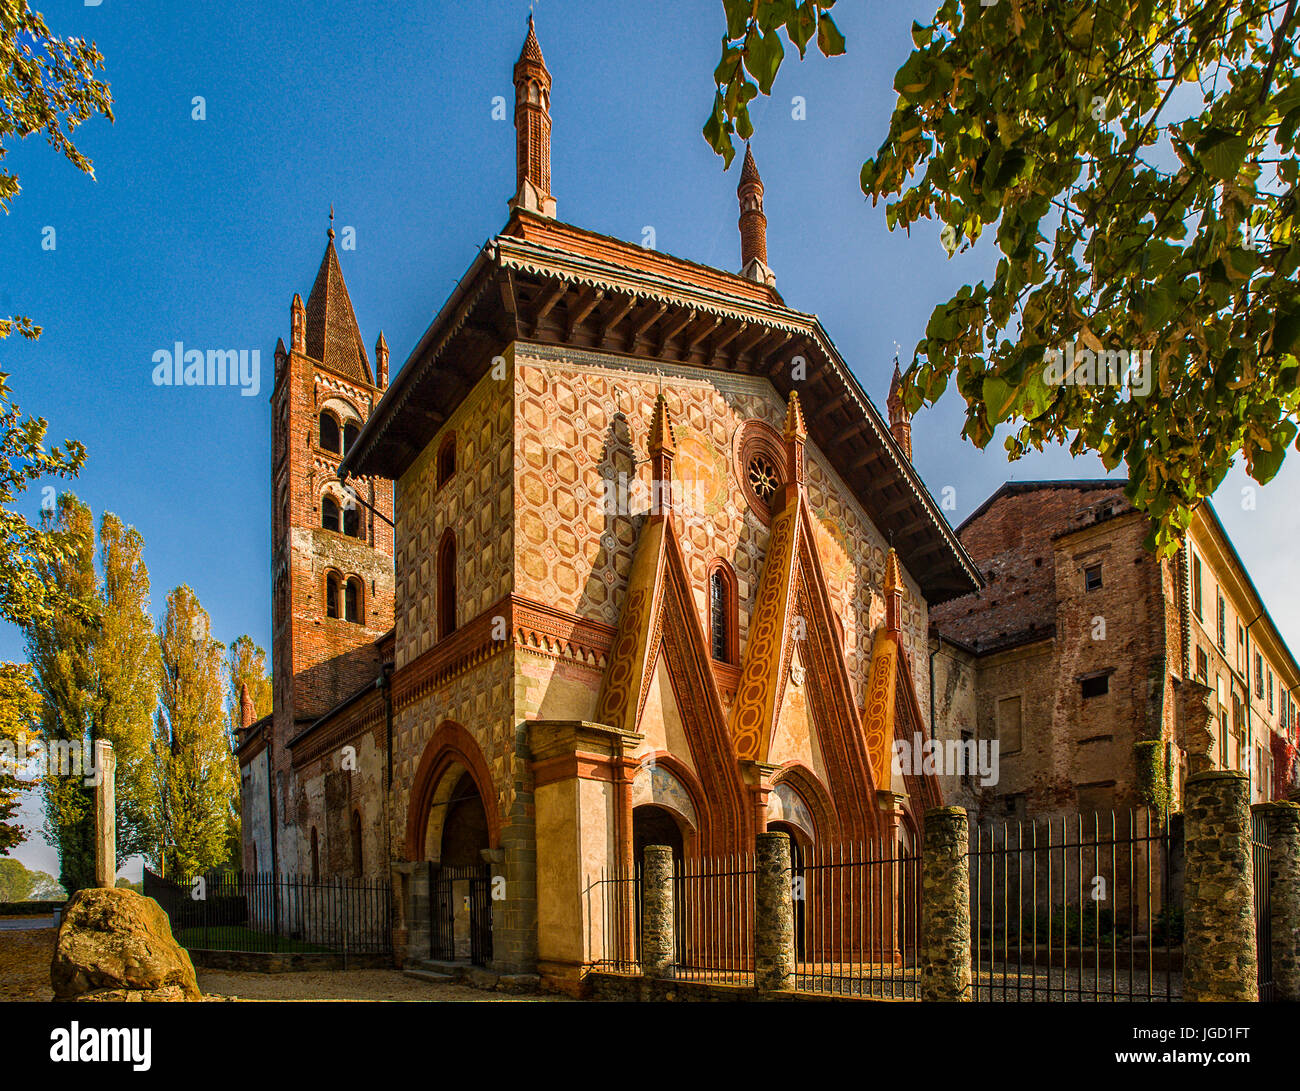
(661, 429)
(331, 230)
(794, 425)
(893, 573)
(749, 169)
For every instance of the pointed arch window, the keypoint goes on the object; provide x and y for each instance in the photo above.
(315, 857)
(330, 516)
(350, 432)
(332, 594)
(330, 436)
(723, 613)
(356, 844)
(447, 585)
(352, 600)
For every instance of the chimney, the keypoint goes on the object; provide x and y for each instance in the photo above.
(753, 224)
(532, 130)
(247, 713)
(900, 420)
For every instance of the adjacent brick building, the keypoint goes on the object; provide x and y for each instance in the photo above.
(1082, 645)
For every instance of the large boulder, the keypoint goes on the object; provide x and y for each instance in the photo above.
(115, 942)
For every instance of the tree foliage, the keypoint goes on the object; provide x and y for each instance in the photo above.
(18, 884)
(1138, 164)
(49, 86)
(19, 720)
(752, 52)
(126, 665)
(197, 782)
(59, 651)
(246, 666)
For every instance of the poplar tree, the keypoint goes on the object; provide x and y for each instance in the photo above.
(59, 651)
(126, 666)
(196, 779)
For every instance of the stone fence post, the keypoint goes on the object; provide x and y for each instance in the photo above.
(1218, 891)
(657, 912)
(773, 913)
(945, 905)
(1282, 825)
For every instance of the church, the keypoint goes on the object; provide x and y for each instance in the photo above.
(623, 554)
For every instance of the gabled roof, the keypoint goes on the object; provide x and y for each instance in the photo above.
(553, 283)
(333, 337)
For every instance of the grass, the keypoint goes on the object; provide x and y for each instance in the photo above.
(235, 937)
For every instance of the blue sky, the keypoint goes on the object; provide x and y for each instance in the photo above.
(201, 231)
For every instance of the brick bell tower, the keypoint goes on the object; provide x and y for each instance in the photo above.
(331, 540)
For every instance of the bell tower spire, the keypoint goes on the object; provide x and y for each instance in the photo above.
(532, 129)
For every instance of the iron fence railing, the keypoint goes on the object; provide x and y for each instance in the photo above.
(275, 912)
(857, 920)
(1261, 858)
(1078, 909)
(713, 908)
(614, 922)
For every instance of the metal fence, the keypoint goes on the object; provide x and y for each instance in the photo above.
(1262, 861)
(461, 910)
(279, 913)
(1077, 909)
(614, 916)
(713, 909)
(857, 920)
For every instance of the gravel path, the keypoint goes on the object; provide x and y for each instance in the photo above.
(346, 985)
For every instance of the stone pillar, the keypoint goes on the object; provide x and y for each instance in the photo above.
(105, 773)
(1282, 825)
(657, 912)
(1218, 891)
(773, 913)
(945, 905)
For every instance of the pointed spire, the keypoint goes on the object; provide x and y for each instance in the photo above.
(333, 337)
(381, 362)
(893, 592)
(662, 449)
(661, 429)
(297, 324)
(794, 425)
(532, 51)
(753, 223)
(900, 420)
(532, 129)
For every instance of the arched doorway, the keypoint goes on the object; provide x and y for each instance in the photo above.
(460, 898)
(655, 825)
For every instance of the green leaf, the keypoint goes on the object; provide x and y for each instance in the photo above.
(802, 27)
(829, 39)
(1264, 465)
(999, 397)
(1286, 332)
(1221, 153)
